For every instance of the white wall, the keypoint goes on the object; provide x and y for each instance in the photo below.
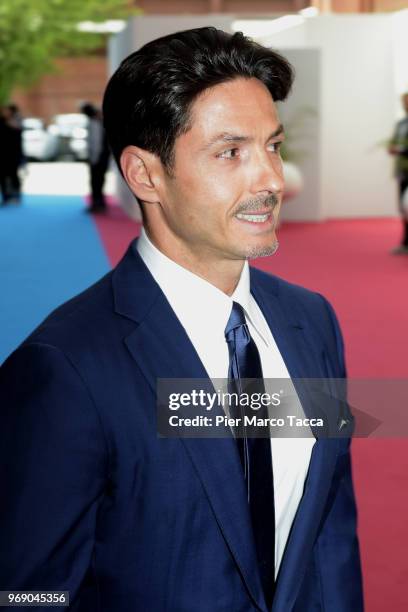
(400, 55)
(358, 99)
(360, 78)
(358, 96)
(301, 115)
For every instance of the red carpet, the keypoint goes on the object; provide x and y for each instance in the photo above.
(349, 262)
(116, 231)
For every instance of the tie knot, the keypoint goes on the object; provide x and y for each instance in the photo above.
(237, 319)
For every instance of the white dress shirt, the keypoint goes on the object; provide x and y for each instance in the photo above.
(192, 298)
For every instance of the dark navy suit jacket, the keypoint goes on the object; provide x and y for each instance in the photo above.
(95, 503)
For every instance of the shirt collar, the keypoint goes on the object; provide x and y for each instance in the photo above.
(193, 299)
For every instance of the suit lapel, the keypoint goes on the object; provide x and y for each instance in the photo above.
(301, 357)
(161, 349)
(303, 361)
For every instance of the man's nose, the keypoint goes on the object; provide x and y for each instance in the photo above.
(267, 173)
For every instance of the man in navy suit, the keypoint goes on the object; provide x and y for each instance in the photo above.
(94, 501)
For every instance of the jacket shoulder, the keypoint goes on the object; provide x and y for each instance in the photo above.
(76, 318)
(286, 290)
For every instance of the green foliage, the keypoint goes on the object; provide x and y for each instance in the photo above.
(34, 32)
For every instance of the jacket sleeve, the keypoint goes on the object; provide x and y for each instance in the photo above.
(337, 547)
(341, 371)
(53, 463)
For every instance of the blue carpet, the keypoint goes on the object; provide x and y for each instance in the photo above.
(50, 251)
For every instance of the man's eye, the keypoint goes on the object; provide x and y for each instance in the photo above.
(229, 153)
(275, 146)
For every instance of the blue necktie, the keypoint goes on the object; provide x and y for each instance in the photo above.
(255, 453)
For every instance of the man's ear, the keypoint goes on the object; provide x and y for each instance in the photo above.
(139, 168)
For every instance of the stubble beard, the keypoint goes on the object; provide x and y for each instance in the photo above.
(252, 252)
(262, 251)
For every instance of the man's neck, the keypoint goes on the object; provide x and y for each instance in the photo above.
(222, 273)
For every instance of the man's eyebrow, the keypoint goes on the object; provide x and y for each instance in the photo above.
(226, 137)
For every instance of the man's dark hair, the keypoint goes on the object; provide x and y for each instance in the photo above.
(147, 101)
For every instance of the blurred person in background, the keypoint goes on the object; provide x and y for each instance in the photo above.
(98, 157)
(11, 153)
(16, 118)
(399, 147)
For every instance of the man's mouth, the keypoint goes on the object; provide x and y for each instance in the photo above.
(254, 217)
